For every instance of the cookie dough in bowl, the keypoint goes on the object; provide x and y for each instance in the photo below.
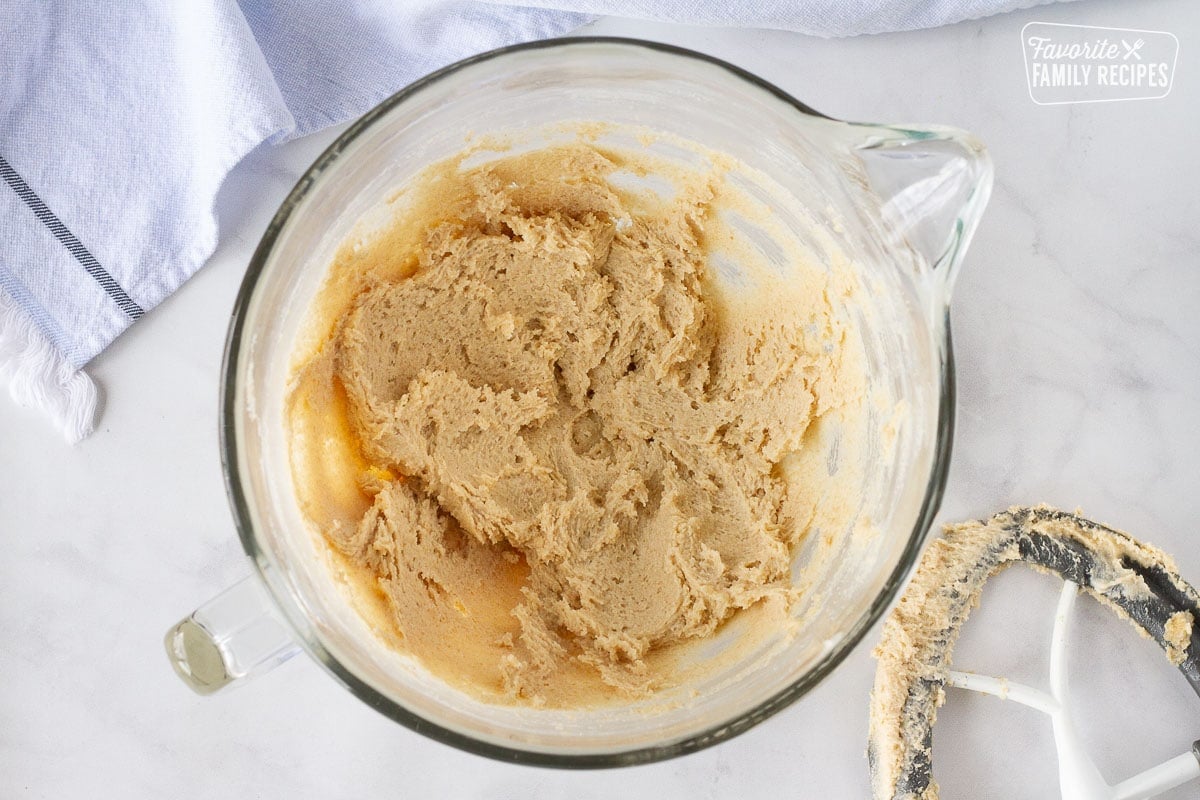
(563, 423)
(588, 401)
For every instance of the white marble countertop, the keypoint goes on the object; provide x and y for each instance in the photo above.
(1078, 343)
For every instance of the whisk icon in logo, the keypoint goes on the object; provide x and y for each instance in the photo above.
(1086, 64)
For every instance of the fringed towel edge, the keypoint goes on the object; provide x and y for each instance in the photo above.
(39, 376)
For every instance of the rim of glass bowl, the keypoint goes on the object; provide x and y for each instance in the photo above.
(714, 734)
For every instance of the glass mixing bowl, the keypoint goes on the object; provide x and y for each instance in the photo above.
(900, 201)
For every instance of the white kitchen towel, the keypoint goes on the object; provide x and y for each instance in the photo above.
(119, 122)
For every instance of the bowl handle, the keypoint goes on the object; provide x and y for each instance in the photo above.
(236, 635)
